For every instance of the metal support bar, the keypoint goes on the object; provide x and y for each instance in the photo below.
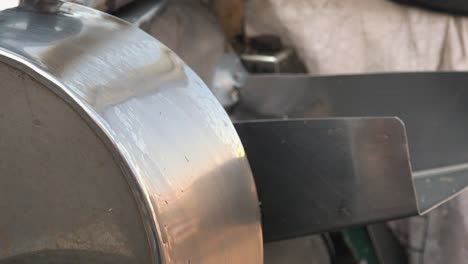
(386, 245)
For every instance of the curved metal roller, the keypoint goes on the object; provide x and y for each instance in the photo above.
(113, 151)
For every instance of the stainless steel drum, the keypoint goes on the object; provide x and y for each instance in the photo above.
(113, 151)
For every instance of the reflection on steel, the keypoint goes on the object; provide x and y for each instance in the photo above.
(316, 175)
(113, 149)
(228, 75)
(141, 12)
(186, 27)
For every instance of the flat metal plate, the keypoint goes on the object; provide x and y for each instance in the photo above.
(323, 174)
(431, 105)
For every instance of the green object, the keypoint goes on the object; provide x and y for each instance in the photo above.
(358, 241)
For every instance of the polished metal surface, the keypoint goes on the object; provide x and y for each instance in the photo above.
(318, 175)
(142, 12)
(229, 75)
(168, 144)
(192, 31)
(187, 27)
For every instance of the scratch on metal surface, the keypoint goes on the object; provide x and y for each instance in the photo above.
(439, 171)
